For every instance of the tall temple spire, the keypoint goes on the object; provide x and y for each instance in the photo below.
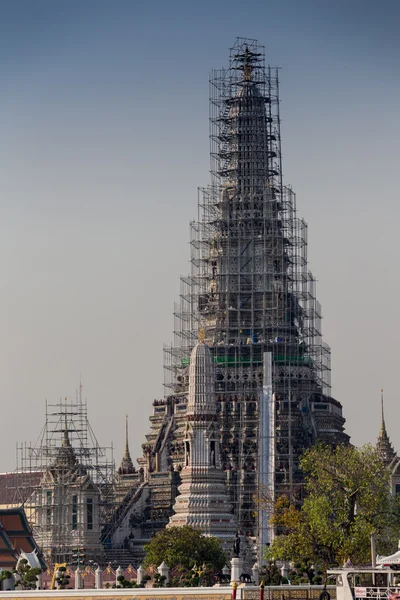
(383, 426)
(201, 401)
(66, 441)
(383, 444)
(203, 501)
(251, 294)
(66, 455)
(126, 466)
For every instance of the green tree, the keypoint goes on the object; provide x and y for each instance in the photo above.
(305, 572)
(271, 575)
(347, 498)
(126, 583)
(62, 578)
(159, 581)
(5, 575)
(25, 575)
(184, 546)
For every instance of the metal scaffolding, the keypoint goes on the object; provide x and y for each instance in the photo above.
(66, 484)
(251, 291)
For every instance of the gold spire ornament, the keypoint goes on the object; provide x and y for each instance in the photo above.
(126, 467)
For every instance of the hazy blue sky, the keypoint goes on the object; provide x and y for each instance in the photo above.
(103, 142)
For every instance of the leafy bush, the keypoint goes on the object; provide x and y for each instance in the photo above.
(25, 576)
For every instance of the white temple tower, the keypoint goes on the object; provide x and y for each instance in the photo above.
(203, 500)
(67, 514)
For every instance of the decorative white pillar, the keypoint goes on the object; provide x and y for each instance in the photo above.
(284, 570)
(78, 579)
(39, 581)
(140, 575)
(256, 574)
(118, 573)
(236, 568)
(163, 569)
(98, 578)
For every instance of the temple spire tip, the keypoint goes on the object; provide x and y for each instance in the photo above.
(126, 466)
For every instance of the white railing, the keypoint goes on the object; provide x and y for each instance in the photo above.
(378, 593)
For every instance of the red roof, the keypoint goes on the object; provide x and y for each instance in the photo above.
(15, 535)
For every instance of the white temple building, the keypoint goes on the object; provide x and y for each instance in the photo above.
(66, 513)
(203, 500)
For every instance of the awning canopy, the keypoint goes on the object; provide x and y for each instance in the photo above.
(393, 559)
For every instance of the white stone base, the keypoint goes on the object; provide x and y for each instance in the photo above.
(236, 568)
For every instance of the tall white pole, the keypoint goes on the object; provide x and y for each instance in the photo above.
(373, 551)
(266, 485)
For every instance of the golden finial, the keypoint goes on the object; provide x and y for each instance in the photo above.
(202, 335)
